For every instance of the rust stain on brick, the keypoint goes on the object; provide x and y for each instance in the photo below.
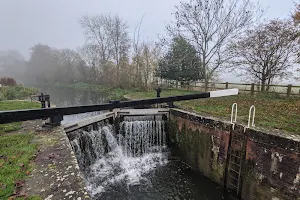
(250, 155)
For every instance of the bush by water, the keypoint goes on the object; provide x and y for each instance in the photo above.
(16, 92)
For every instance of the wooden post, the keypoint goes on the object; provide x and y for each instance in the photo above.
(289, 90)
(252, 88)
(177, 84)
(226, 86)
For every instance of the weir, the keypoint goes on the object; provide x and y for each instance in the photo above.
(108, 154)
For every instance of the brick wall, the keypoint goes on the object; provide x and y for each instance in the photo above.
(200, 142)
(271, 164)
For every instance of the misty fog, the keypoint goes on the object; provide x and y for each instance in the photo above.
(45, 42)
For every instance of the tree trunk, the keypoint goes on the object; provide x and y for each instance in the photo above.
(263, 85)
(206, 83)
(268, 86)
(181, 84)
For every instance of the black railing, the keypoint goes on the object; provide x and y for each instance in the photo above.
(58, 112)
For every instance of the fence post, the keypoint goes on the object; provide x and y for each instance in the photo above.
(226, 86)
(252, 88)
(289, 90)
(177, 84)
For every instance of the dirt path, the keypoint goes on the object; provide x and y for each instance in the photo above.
(56, 174)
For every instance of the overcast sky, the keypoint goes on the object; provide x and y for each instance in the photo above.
(24, 23)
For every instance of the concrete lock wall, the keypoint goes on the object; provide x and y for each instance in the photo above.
(270, 162)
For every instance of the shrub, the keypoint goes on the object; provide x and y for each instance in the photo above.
(7, 81)
(16, 92)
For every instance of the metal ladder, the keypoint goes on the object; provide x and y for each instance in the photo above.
(237, 146)
(236, 152)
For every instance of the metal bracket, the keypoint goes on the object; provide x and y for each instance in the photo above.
(55, 121)
(158, 91)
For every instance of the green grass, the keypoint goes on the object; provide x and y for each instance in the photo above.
(14, 105)
(35, 197)
(272, 111)
(152, 94)
(16, 153)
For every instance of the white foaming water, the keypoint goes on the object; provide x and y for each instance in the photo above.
(125, 158)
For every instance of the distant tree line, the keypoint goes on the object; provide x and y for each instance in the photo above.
(206, 38)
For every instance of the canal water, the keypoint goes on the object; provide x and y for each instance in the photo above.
(60, 96)
(133, 163)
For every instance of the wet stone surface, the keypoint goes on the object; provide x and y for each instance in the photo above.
(56, 174)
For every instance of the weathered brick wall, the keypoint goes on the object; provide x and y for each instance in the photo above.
(270, 170)
(272, 167)
(201, 142)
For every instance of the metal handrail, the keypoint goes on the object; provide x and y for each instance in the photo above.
(251, 111)
(232, 109)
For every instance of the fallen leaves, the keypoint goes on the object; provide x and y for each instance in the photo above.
(18, 196)
(21, 165)
(19, 183)
(17, 192)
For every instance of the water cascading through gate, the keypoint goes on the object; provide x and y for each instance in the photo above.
(109, 158)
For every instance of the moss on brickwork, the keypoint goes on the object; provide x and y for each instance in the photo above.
(257, 187)
(196, 149)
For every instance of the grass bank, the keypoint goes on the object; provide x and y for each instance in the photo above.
(110, 92)
(16, 152)
(272, 111)
(15, 163)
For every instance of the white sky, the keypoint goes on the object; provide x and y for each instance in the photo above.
(24, 23)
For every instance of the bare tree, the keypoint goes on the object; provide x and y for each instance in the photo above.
(149, 63)
(267, 52)
(90, 54)
(137, 49)
(96, 32)
(209, 25)
(119, 37)
(296, 19)
(120, 41)
(107, 36)
(72, 66)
